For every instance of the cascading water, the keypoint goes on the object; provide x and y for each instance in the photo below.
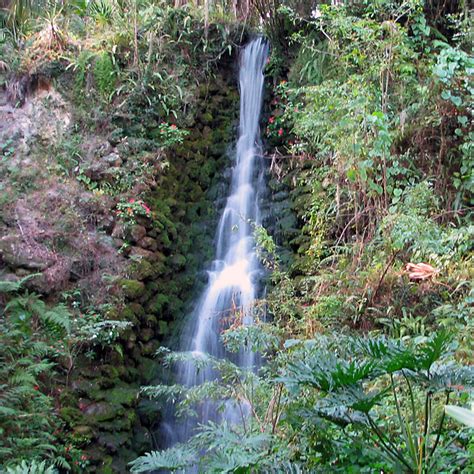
(235, 273)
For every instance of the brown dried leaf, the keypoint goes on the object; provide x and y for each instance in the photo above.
(420, 271)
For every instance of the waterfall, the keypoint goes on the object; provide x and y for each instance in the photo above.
(234, 274)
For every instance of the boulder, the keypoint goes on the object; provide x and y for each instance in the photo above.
(132, 289)
(112, 159)
(15, 252)
(122, 395)
(103, 411)
(113, 441)
(146, 334)
(148, 243)
(137, 232)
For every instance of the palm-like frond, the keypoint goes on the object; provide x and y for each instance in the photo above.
(173, 459)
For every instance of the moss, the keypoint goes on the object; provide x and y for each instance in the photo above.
(207, 118)
(122, 395)
(157, 303)
(178, 261)
(163, 328)
(127, 314)
(72, 416)
(83, 434)
(99, 412)
(147, 368)
(106, 465)
(132, 289)
(143, 269)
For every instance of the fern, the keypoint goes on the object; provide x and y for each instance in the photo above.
(32, 467)
(173, 459)
(104, 74)
(12, 286)
(58, 318)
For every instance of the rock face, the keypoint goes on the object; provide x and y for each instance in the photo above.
(57, 225)
(42, 120)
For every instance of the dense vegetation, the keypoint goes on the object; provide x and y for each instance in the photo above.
(369, 253)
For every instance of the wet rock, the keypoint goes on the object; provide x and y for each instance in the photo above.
(124, 422)
(148, 412)
(137, 309)
(149, 320)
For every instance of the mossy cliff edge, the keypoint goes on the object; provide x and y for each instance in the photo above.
(112, 214)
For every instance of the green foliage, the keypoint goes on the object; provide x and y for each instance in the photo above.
(104, 74)
(170, 135)
(373, 389)
(176, 458)
(32, 468)
(130, 209)
(39, 346)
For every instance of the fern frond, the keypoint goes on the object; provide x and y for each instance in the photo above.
(12, 286)
(178, 457)
(32, 467)
(58, 317)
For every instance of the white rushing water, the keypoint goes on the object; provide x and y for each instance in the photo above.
(235, 272)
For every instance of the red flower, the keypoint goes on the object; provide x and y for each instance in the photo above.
(271, 119)
(84, 457)
(36, 387)
(173, 127)
(131, 200)
(280, 132)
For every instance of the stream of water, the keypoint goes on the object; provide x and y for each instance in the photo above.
(235, 273)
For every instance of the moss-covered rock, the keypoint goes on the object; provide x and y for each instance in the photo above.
(132, 289)
(83, 432)
(142, 269)
(72, 416)
(156, 305)
(122, 395)
(146, 334)
(103, 411)
(113, 441)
